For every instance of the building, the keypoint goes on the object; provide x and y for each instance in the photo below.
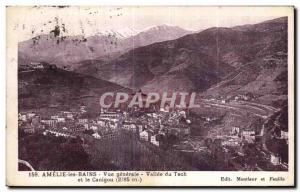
(30, 115)
(235, 131)
(86, 125)
(83, 121)
(59, 133)
(110, 135)
(58, 118)
(144, 135)
(49, 122)
(111, 115)
(140, 127)
(275, 159)
(36, 123)
(61, 120)
(248, 135)
(129, 126)
(68, 115)
(103, 122)
(96, 135)
(28, 128)
(24, 67)
(154, 141)
(231, 143)
(37, 65)
(179, 130)
(22, 117)
(284, 134)
(54, 117)
(93, 127)
(82, 109)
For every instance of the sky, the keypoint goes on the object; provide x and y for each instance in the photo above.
(87, 21)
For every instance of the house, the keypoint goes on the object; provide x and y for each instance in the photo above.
(275, 159)
(208, 119)
(235, 131)
(144, 135)
(59, 133)
(30, 115)
(37, 65)
(113, 124)
(50, 122)
(231, 143)
(93, 127)
(284, 135)
(78, 128)
(179, 130)
(110, 135)
(129, 126)
(24, 67)
(140, 127)
(103, 122)
(36, 123)
(96, 135)
(248, 135)
(22, 117)
(54, 117)
(86, 125)
(154, 141)
(83, 121)
(111, 115)
(28, 128)
(61, 120)
(68, 115)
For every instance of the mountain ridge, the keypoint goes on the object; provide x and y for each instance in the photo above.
(200, 60)
(69, 50)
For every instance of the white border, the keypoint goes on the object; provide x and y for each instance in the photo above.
(112, 2)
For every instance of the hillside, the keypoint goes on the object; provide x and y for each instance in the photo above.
(59, 89)
(263, 73)
(223, 59)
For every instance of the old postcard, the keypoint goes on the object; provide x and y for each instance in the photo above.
(150, 96)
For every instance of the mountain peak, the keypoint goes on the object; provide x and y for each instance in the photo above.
(119, 33)
(162, 27)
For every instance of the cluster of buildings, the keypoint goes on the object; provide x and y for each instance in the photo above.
(239, 97)
(148, 127)
(236, 138)
(31, 66)
(154, 128)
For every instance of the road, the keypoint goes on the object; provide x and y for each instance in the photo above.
(260, 110)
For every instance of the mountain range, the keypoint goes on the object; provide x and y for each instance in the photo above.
(219, 61)
(215, 62)
(71, 50)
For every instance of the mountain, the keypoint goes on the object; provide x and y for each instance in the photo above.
(226, 61)
(120, 33)
(260, 66)
(71, 50)
(59, 89)
(155, 34)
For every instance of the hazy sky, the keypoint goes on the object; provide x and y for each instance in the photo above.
(88, 21)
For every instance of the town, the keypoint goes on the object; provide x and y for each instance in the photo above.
(168, 129)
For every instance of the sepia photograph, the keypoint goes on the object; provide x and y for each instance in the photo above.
(141, 92)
